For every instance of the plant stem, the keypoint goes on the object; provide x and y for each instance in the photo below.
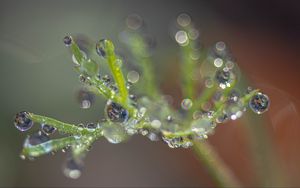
(218, 170)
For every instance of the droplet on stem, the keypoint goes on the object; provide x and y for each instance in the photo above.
(67, 40)
(115, 112)
(47, 129)
(22, 121)
(259, 103)
(100, 48)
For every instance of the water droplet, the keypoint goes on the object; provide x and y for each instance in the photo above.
(193, 34)
(22, 121)
(115, 112)
(203, 126)
(181, 38)
(218, 62)
(186, 104)
(73, 168)
(183, 19)
(169, 118)
(220, 46)
(68, 40)
(234, 96)
(134, 21)
(91, 126)
(75, 61)
(173, 142)
(156, 124)
(259, 103)
(153, 136)
(85, 98)
(133, 77)
(235, 110)
(47, 129)
(225, 78)
(209, 83)
(22, 157)
(100, 48)
(222, 118)
(114, 133)
(106, 79)
(144, 132)
(35, 139)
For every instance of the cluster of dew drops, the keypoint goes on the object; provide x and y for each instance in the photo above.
(224, 77)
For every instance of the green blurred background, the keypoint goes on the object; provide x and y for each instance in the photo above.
(36, 75)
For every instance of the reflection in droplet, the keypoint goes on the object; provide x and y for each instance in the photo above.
(259, 103)
(218, 62)
(67, 40)
(47, 129)
(115, 112)
(85, 98)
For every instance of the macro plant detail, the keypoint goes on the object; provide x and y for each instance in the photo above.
(135, 104)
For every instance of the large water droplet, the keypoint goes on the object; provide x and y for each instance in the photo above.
(100, 48)
(203, 126)
(114, 133)
(259, 103)
(22, 121)
(115, 112)
(73, 168)
(36, 139)
(47, 129)
(186, 104)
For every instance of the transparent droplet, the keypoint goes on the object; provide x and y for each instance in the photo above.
(133, 77)
(73, 168)
(169, 118)
(153, 136)
(225, 78)
(100, 48)
(183, 19)
(115, 112)
(259, 103)
(47, 129)
(75, 61)
(222, 118)
(193, 34)
(144, 132)
(22, 121)
(36, 139)
(107, 80)
(218, 62)
(209, 83)
(114, 133)
(91, 126)
(134, 21)
(203, 126)
(235, 110)
(156, 124)
(234, 96)
(220, 46)
(67, 40)
(181, 38)
(85, 98)
(186, 104)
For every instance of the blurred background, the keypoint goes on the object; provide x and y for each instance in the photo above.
(36, 75)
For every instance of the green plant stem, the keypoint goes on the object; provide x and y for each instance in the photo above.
(218, 170)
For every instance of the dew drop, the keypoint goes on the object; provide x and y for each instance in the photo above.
(193, 33)
(36, 139)
(22, 121)
(218, 62)
(169, 118)
(85, 98)
(47, 129)
(75, 61)
(183, 19)
(22, 157)
(115, 112)
(225, 78)
(134, 21)
(133, 77)
(186, 104)
(156, 124)
(67, 40)
(100, 48)
(153, 136)
(173, 142)
(235, 110)
(73, 168)
(114, 134)
(259, 103)
(220, 46)
(181, 38)
(91, 126)
(203, 126)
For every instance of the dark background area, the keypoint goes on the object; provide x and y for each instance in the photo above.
(36, 75)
